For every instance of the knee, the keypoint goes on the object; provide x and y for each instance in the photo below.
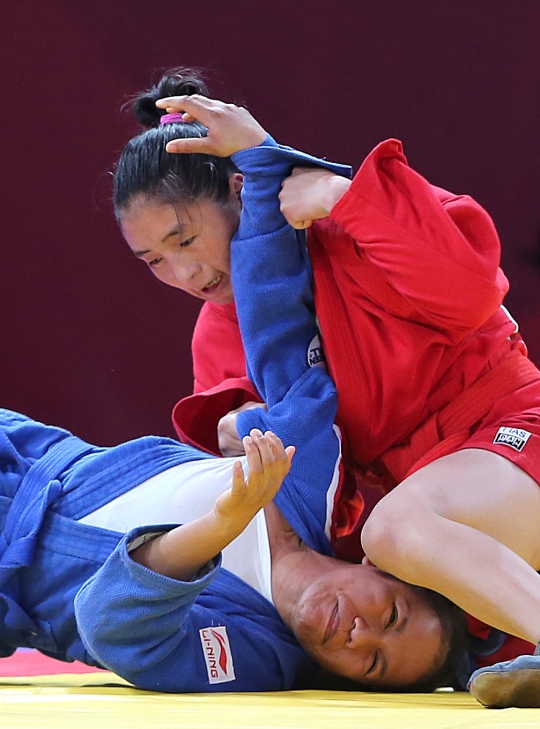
(380, 534)
(392, 536)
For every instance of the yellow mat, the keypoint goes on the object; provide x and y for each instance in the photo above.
(88, 701)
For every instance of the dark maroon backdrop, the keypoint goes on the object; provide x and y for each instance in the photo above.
(89, 339)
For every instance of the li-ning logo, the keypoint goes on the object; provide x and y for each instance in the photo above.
(513, 437)
(217, 654)
(315, 354)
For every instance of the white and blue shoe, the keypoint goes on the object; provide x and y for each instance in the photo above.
(511, 683)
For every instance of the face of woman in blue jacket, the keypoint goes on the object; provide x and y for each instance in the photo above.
(359, 622)
(368, 626)
(186, 246)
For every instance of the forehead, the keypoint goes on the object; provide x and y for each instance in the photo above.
(415, 653)
(143, 213)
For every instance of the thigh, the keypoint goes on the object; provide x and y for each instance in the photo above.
(480, 489)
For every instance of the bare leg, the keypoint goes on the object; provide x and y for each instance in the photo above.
(467, 526)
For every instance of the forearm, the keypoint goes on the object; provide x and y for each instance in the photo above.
(182, 552)
(283, 319)
(264, 168)
(185, 550)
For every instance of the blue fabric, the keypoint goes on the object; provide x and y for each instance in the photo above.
(72, 591)
(271, 276)
(166, 616)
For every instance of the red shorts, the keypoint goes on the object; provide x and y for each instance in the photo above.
(512, 429)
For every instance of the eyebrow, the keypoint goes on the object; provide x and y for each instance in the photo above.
(177, 230)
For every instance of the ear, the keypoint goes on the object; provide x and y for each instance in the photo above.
(236, 182)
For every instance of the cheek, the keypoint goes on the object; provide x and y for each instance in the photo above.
(219, 249)
(222, 256)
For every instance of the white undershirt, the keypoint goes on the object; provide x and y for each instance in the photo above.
(184, 493)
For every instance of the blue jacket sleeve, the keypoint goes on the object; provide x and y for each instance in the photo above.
(271, 271)
(212, 634)
(271, 276)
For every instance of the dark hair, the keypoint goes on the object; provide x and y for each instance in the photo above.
(447, 669)
(146, 169)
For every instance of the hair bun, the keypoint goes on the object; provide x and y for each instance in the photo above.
(176, 82)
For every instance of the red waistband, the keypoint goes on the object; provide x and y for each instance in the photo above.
(450, 427)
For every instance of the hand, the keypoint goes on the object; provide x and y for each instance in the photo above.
(229, 441)
(231, 128)
(268, 464)
(181, 552)
(309, 194)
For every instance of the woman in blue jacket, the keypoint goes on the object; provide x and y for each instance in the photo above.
(94, 567)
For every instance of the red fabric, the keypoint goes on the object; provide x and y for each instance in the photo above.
(218, 353)
(26, 662)
(511, 648)
(408, 291)
(220, 381)
(196, 417)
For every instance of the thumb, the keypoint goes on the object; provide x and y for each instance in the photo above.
(290, 451)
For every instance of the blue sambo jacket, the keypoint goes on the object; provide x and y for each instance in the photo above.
(72, 591)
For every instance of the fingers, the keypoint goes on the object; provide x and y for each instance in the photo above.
(300, 224)
(268, 464)
(230, 128)
(290, 451)
(267, 455)
(200, 108)
(186, 103)
(193, 107)
(238, 481)
(201, 145)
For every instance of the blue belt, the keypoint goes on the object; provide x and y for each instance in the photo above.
(39, 488)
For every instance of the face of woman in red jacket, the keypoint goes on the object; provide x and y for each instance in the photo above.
(187, 246)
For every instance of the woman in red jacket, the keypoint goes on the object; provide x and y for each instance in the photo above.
(436, 392)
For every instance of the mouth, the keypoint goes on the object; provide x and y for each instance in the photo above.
(333, 624)
(212, 286)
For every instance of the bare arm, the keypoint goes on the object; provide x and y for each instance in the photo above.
(182, 552)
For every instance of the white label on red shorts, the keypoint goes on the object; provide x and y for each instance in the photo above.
(513, 437)
(217, 654)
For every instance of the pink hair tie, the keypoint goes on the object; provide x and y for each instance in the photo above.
(170, 118)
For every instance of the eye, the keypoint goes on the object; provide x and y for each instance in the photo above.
(392, 620)
(154, 262)
(374, 664)
(187, 242)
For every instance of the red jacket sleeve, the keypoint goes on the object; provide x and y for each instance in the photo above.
(220, 383)
(440, 252)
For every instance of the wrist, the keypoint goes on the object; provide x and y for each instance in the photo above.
(336, 187)
(226, 528)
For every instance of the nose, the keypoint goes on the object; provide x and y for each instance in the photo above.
(184, 273)
(362, 635)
